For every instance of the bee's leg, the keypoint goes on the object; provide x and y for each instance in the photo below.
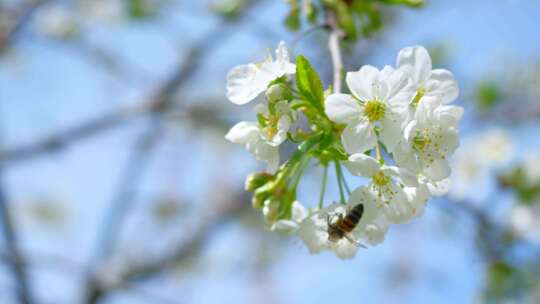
(357, 244)
(330, 217)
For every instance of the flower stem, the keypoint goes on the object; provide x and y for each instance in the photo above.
(323, 187)
(345, 184)
(336, 34)
(301, 168)
(379, 154)
(340, 185)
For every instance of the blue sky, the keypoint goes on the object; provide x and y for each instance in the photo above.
(45, 87)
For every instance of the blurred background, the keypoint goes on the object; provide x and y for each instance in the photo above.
(117, 185)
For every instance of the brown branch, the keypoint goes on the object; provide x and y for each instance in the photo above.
(25, 17)
(11, 239)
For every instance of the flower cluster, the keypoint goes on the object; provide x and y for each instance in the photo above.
(395, 128)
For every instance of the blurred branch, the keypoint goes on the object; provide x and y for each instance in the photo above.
(190, 247)
(11, 239)
(336, 34)
(138, 162)
(69, 267)
(25, 17)
(493, 238)
(157, 103)
(124, 198)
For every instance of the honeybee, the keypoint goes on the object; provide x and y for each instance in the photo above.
(344, 224)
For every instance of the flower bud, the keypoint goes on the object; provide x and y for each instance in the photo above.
(257, 180)
(271, 210)
(277, 92)
(261, 195)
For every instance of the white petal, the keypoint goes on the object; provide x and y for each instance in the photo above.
(406, 158)
(282, 57)
(283, 126)
(425, 111)
(376, 231)
(299, 212)
(417, 197)
(363, 195)
(261, 108)
(419, 61)
(449, 142)
(265, 152)
(410, 130)
(362, 165)
(284, 226)
(243, 133)
(361, 82)
(313, 236)
(344, 249)
(438, 188)
(242, 86)
(443, 84)
(438, 169)
(395, 205)
(449, 115)
(359, 138)
(391, 131)
(342, 108)
(405, 176)
(395, 80)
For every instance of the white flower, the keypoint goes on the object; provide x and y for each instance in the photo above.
(470, 175)
(250, 135)
(377, 100)
(388, 183)
(263, 141)
(494, 147)
(279, 122)
(371, 228)
(416, 62)
(525, 221)
(299, 213)
(56, 21)
(430, 139)
(103, 10)
(531, 168)
(245, 82)
(435, 188)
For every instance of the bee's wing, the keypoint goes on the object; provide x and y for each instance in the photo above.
(354, 242)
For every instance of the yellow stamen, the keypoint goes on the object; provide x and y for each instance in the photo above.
(374, 110)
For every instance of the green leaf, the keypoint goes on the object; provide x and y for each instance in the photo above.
(309, 83)
(345, 20)
(292, 21)
(488, 94)
(138, 9)
(411, 3)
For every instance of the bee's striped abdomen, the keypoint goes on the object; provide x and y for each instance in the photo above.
(352, 218)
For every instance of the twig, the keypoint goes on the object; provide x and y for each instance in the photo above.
(26, 16)
(132, 175)
(17, 260)
(336, 34)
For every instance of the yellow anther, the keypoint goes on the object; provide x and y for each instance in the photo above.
(374, 110)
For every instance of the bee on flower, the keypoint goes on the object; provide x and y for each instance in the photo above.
(395, 129)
